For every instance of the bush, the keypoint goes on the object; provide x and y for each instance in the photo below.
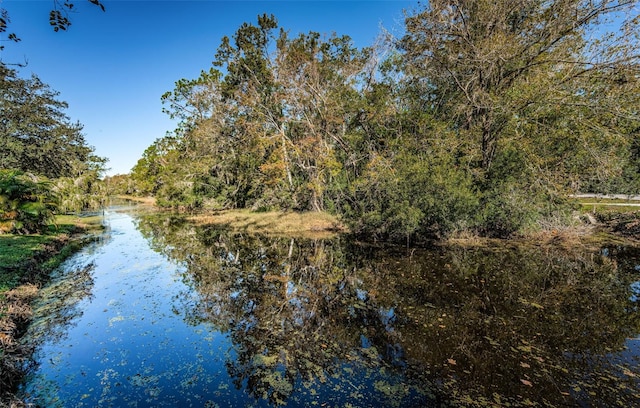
(27, 202)
(412, 195)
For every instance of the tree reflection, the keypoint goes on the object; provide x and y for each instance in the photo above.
(57, 306)
(54, 312)
(519, 325)
(493, 326)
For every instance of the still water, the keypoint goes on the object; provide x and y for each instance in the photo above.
(161, 313)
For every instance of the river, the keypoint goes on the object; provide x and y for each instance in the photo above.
(162, 313)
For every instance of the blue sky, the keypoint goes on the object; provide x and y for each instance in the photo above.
(112, 67)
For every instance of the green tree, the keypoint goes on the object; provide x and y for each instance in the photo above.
(492, 68)
(266, 133)
(119, 184)
(150, 171)
(540, 95)
(317, 81)
(416, 183)
(483, 117)
(36, 137)
(85, 190)
(35, 134)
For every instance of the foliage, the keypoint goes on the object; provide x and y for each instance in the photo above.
(501, 67)
(58, 17)
(35, 134)
(415, 189)
(524, 84)
(36, 137)
(83, 193)
(485, 116)
(27, 203)
(85, 190)
(263, 135)
(119, 184)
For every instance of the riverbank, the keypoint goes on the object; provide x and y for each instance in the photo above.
(305, 224)
(150, 201)
(442, 291)
(598, 218)
(25, 264)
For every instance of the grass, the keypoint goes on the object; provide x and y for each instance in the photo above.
(19, 252)
(141, 200)
(614, 205)
(307, 224)
(618, 218)
(609, 208)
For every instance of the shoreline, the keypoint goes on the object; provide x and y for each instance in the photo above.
(612, 223)
(15, 311)
(36, 257)
(305, 224)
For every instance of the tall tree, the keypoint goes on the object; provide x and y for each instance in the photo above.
(264, 129)
(318, 80)
(495, 70)
(538, 96)
(35, 134)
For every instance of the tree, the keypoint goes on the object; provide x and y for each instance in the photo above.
(538, 94)
(268, 128)
(317, 80)
(35, 134)
(36, 137)
(503, 72)
(484, 117)
(84, 190)
(148, 173)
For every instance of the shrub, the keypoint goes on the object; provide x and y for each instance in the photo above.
(27, 202)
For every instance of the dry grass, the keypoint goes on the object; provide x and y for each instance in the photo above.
(466, 238)
(308, 224)
(15, 312)
(552, 231)
(141, 200)
(92, 223)
(15, 309)
(568, 239)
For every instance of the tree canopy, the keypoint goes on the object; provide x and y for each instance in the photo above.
(499, 70)
(35, 134)
(44, 157)
(484, 116)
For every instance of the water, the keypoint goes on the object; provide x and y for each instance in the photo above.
(163, 313)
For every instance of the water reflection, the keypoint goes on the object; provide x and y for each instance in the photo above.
(202, 316)
(526, 326)
(299, 323)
